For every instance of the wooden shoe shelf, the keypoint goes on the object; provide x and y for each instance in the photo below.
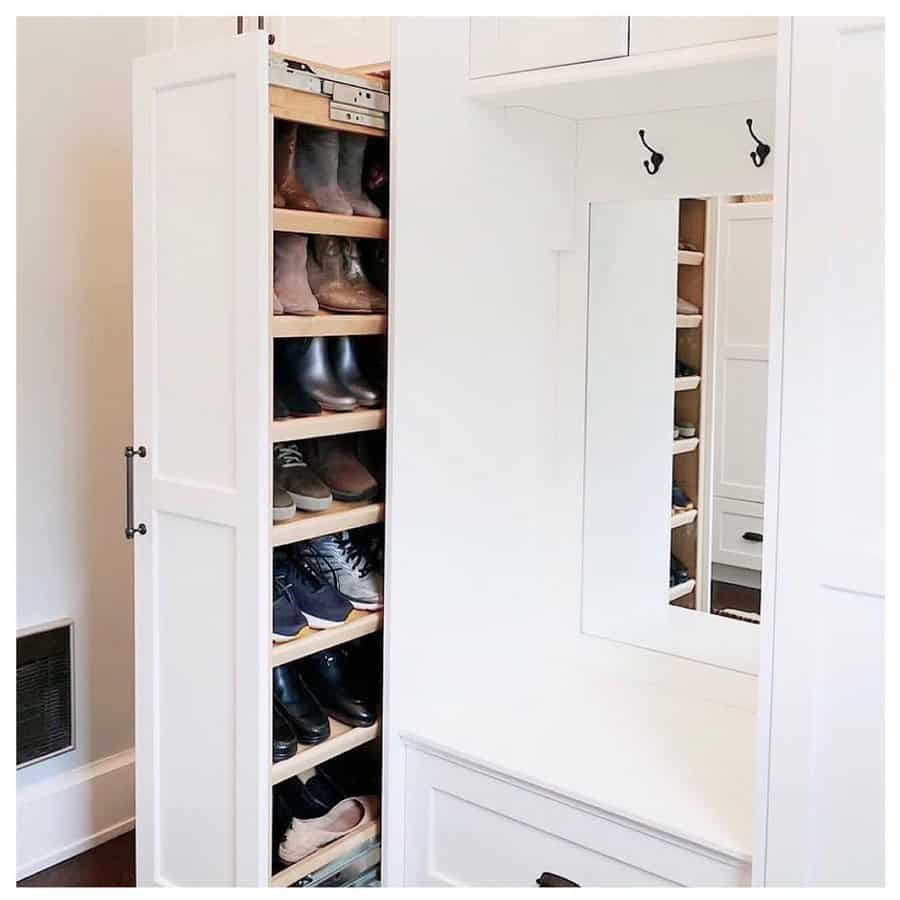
(688, 453)
(340, 516)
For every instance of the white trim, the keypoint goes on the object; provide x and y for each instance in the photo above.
(74, 811)
(781, 162)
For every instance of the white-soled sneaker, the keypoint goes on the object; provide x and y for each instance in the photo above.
(336, 559)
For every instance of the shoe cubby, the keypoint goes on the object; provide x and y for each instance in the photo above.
(361, 428)
(687, 452)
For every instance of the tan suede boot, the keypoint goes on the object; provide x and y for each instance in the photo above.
(291, 285)
(289, 193)
(328, 278)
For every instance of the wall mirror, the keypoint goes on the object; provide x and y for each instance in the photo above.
(675, 424)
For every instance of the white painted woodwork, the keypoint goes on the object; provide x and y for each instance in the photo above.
(470, 826)
(500, 44)
(649, 34)
(201, 402)
(693, 77)
(821, 787)
(732, 519)
(628, 413)
(741, 356)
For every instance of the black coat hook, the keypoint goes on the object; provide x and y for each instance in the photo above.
(656, 158)
(762, 150)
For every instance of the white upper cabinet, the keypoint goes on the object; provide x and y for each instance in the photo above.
(650, 33)
(498, 45)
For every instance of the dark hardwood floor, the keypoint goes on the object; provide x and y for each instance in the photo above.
(109, 865)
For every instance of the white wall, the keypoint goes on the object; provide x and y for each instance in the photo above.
(74, 407)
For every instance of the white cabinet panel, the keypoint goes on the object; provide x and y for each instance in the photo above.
(470, 828)
(499, 44)
(823, 669)
(743, 289)
(737, 530)
(201, 397)
(650, 33)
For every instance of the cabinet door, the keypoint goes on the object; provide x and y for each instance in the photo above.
(823, 659)
(201, 407)
(499, 44)
(650, 33)
(744, 285)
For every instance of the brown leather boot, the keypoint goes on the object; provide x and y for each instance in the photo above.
(328, 277)
(357, 277)
(289, 193)
(291, 286)
(337, 465)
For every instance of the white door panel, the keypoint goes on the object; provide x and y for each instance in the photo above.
(822, 684)
(201, 397)
(500, 44)
(743, 288)
(651, 33)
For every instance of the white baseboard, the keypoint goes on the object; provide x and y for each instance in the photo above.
(74, 811)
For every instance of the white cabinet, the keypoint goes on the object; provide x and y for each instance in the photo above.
(737, 533)
(500, 44)
(744, 267)
(467, 827)
(651, 33)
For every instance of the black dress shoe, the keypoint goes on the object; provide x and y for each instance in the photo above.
(284, 741)
(299, 707)
(335, 683)
(309, 799)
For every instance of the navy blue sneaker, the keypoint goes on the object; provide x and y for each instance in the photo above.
(318, 601)
(287, 620)
(680, 500)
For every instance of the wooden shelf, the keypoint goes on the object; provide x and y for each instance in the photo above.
(311, 640)
(684, 518)
(326, 324)
(684, 445)
(302, 221)
(325, 855)
(326, 423)
(343, 738)
(340, 516)
(690, 258)
(681, 590)
(687, 383)
(311, 109)
(682, 321)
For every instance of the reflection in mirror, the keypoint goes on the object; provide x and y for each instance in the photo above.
(721, 361)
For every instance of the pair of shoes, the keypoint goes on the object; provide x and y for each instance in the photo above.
(678, 572)
(326, 271)
(320, 169)
(306, 835)
(316, 474)
(680, 500)
(349, 565)
(312, 374)
(301, 598)
(341, 683)
(684, 430)
(683, 370)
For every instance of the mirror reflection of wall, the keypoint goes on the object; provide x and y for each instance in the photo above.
(724, 275)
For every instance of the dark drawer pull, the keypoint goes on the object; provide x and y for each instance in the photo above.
(548, 879)
(753, 536)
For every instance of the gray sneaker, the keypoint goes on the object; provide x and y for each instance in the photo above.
(340, 562)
